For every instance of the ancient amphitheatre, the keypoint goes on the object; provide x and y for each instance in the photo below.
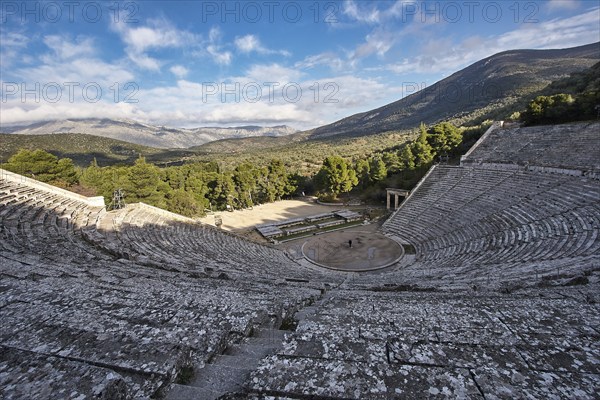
(499, 299)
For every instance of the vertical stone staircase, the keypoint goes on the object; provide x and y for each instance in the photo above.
(228, 372)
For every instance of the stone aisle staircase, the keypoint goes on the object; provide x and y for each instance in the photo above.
(228, 372)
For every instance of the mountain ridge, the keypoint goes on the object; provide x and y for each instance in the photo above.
(501, 77)
(136, 132)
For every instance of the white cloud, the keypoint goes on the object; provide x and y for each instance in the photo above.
(445, 56)
(318, 102)
(16, 113)
(187, 103)
(12, 45)
(65, 49)
(273, 73)
(215, 50)
(72, 61)
(219, 56)
(214, 35)
(399, 8)
(328, 59)
(248, 43)
(557, 33)
(377, 42)
(251, 43)
(13, 39)
(351, 9)
(157, 34)
(64, 84)
(144, 61)
(179, 71)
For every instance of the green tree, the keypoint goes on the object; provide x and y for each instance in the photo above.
(278, 172)
(275, 182)
(363, 169)
(549, 109)
(181, 202)
(65, 173)
(196, 184)
(144, 184)
(335, 176)
(221, 190)
(378, 169)
(407, 158)
(392, 162)
(44, 167)
(422, 150)
(245, 180)
(176, 177)
(586, 105)
(92, 176)
(445, 137)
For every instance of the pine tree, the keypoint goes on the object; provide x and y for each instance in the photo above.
(44, 167)
(378, 169)
(183, 202)
(245, 179)
(421, 149)
(407, 158)
(362, 169)
(392, 162)
(143, 183)
(445, 137)
(279, 184)
(335, 176)
(221, 190)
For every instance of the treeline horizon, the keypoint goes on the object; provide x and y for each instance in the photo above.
(193, 188)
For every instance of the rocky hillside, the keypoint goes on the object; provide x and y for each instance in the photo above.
(495, 81)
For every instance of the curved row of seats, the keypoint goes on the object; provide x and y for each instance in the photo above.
(145, 233)
(560, 146)
(476, 219)
(81, 321)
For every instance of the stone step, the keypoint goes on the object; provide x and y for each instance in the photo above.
(264, 341)
(183, 392)
(237, 361)
(251, 350)
(221, 378)
(270, 334)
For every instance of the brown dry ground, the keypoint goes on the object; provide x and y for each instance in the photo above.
(244, 220)
(370, 250)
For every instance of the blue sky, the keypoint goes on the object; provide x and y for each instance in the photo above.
(231, 63)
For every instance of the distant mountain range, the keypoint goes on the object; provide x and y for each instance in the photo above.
(145, 134)
(495, 81)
